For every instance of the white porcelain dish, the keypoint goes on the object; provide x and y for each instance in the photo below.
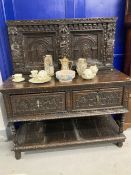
(18, 80)
(88, 77)
(38, 81)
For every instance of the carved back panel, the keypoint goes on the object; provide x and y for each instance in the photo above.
(92, 38)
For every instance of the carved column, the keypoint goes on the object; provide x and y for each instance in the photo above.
(121, 127)
(121, 124)
(64, 41)
(13, 132)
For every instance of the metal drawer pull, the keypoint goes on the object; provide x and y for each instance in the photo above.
(38, 103)
(97, 98)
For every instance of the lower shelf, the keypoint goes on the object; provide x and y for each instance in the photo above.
(64, 132)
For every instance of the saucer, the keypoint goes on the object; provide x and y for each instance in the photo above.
(17, 81)
(36, 80)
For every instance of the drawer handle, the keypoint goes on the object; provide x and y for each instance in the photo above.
(97, 98)
(38, 103)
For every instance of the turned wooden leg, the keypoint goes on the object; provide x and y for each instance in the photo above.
(17, 155)
(119, 144)
(13, 131)
(121, 124)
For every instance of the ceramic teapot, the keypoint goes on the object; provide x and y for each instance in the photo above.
(65, 63)
(94, 69)
(81, 65)
(88, 74)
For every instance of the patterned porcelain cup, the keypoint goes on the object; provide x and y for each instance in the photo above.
(42, 75)
(34, 73)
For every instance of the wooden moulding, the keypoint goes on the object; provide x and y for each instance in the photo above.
(63, 115)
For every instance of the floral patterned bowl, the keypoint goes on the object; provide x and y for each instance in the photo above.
(65, 75)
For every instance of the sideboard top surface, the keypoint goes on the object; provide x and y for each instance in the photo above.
(103, 78)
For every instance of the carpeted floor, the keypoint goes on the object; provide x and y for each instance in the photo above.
(102, 159)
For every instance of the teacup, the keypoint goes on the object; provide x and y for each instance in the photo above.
(17, 77)
(42, 74)
(34, 73)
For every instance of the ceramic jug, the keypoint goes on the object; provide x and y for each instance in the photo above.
(65, 63)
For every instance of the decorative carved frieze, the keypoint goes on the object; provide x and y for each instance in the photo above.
(90, 38)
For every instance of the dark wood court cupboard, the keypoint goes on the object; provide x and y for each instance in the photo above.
(56, 114)
(127, 66)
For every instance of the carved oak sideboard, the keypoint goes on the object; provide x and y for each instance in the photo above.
(58, 114)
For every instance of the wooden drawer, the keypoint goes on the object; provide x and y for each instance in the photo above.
(38, 103)
(88, 99)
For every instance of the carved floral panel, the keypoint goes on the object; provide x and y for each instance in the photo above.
(97, 99)
(38, 103)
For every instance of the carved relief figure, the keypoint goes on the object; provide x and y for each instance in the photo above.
(37, 47)
(86, 47)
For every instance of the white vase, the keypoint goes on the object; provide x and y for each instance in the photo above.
(48, 65)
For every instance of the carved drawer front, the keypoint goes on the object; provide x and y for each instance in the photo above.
(38, 103)
(88, 99)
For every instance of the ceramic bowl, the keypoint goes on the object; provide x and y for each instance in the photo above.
(65, 75)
